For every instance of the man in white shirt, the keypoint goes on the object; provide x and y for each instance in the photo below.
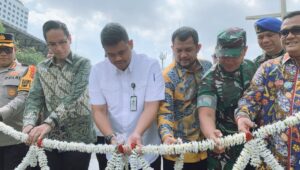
(125, 90)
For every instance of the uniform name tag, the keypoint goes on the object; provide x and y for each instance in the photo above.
(133, 103)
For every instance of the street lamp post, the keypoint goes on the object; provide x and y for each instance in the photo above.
(162, 57)
(281, 14)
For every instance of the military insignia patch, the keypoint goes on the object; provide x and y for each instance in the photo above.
(257, 29)
(11, 91)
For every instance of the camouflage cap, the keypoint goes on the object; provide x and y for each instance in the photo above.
(231, 42)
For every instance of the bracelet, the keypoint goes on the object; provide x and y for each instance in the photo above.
(109, 137)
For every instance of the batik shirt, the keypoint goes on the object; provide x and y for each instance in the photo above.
(270, 99)
(264, 57)
(221, 90)
(62, 93)
(178, 115)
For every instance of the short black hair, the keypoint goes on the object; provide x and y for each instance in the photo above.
(183, 33)
(291, 14)
(112, 34)
(55, 24)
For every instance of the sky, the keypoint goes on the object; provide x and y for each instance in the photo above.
(150, 23)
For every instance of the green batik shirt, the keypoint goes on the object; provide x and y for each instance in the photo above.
(221, 91)
(61, 93)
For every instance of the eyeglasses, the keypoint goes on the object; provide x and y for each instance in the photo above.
(59, 43)
(294, 30)
(7, 50)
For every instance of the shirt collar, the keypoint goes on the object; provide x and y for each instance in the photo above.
(130, 66)
(267, 57)
(51, 62)
(229, 74)
(182, 71)
(11, 67)
(286, 58)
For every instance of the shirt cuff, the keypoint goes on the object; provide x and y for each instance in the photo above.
(29, 119)
(165, 136)
(241, 114)
(50, 122)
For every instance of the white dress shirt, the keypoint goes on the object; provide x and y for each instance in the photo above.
(111, 86)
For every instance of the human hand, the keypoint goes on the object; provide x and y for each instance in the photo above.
(27, 129)
(135, 139)
(169, 140)
(215, 136)
(244, 124)
(37, 133)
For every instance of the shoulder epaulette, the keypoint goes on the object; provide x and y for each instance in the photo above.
(26, 80)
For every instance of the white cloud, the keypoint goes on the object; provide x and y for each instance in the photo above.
(151, 23)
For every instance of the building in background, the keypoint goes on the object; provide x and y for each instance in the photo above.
(14, 17)
(14, 13)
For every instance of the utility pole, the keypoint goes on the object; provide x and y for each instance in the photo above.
(281, 14)
(162, 57)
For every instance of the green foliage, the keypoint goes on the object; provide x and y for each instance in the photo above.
(2, 29)
(29, 56)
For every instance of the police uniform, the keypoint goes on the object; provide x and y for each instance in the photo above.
(15, 81)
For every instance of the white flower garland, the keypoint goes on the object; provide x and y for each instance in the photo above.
(28, 160)
(253, 150)
(179, 162)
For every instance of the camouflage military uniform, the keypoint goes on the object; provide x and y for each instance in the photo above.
(62, 92)
(264, 57)
(225, 89)
(220, 90)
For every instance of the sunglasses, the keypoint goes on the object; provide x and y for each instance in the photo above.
(7, 50)
(294, 30)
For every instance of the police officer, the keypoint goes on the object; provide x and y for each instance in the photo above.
(15, 81)
(268, 37)
(219, 92)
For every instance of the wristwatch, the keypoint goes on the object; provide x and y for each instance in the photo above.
(109, 137)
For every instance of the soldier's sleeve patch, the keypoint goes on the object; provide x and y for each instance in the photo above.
(26, 80)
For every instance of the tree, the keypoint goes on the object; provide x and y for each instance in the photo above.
(29, 56)
(2, 29)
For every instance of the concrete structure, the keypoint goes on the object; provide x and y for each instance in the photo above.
(15, 13)
(24, 39)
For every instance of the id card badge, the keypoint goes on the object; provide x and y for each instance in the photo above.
(133, 103)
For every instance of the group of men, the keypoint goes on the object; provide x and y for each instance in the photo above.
(132, 102)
